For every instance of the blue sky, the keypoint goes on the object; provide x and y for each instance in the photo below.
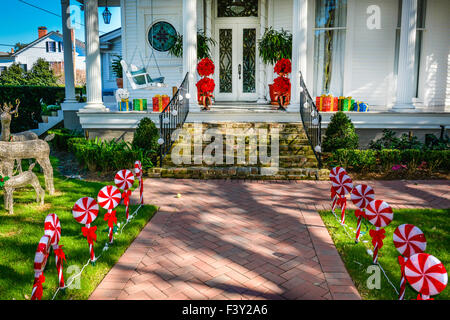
(19, 22)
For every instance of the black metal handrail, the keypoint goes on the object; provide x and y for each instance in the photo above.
(172, 118)
(312, 121)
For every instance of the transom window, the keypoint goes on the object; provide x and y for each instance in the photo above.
(237, 8)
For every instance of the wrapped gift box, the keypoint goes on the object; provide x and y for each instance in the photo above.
(125, 105)
(165, 100)
(140, 104)
(346, 103)
(156, 102)
(360, 107)
(327, 103)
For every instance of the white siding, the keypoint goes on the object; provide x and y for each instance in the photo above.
(282, 15)
(434, 83)
(135, 26)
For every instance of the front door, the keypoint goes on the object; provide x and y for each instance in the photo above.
(236, 73)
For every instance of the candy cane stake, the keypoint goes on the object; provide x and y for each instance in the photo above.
(141, 190)
(110, 234)
(375, 250)
(91, 249)
(344, 205)
(401, 294)
(358, 229)
(59, 265)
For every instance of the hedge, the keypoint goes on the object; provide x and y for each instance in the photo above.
(62, 136)
(30, 106)
(100, 156)
(372, 160)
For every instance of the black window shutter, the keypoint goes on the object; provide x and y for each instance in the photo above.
(46, 45)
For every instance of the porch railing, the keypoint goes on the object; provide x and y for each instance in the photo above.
(312, 120)
(172, 118)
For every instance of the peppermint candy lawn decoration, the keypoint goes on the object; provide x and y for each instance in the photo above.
(342, 184)
(138, 172)
(40, 261)
(361, 195)
(426, 274)
(52, 228)
(380, 214)
(85, 210)
(124, 180)
(337, 171)
(108, 198)
(408, 240)
(334, 198)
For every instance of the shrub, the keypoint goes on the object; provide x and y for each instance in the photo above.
(62, 136)
(405, 142)
(146, 138)
(384, 160)
(30, 103)
(340, 134)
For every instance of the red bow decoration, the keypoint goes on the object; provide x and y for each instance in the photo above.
(60, 254)
(341, 201)
(359, 213)
(111, 218)
(402, 263)
(126, 197)
(38, 285)
(90, 234)
(377, 237)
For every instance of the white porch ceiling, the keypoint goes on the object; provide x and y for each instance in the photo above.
(102, 3)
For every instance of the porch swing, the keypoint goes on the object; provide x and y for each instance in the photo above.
(139, 78)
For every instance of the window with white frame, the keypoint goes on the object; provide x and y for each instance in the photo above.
(329, 46)
(420, 29)
(51, 46)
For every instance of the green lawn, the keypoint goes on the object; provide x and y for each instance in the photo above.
(20, 234)
(434, 223)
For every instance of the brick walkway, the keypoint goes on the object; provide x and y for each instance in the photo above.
(244, 240)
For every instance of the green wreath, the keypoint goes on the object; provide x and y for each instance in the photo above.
(3, 180)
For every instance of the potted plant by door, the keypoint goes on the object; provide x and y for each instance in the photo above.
(282, 85)
(274, 46)
(117, 70)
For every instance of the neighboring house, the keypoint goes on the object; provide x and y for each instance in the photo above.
(48, 46)
(110, 47)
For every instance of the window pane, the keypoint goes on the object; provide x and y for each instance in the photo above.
(329, 47)
(249, 60)
(331, 13)
(237, 8)
(226, 60)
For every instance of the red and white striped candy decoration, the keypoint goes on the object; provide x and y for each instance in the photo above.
(426, 274)
(379, 213)
(138, 169)
(334, 197)
(124, 179)
(109, 197)
(52, 228)
(342, 184)
(40, 260)
(85, 210)
(138, 172)
(409, 240)
(361, 195)
(41, 256)
(337, 171)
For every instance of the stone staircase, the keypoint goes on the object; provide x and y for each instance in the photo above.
(246, 150)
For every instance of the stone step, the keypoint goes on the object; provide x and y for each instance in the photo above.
(256, 173)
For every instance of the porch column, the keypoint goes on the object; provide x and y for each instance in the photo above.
(93, 66)
(262, 84)
(190, 49)
(208, 11)
(405, 79)
(299, 45)
(269, 67)
(69, 78)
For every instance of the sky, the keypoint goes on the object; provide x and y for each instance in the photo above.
(19, 22)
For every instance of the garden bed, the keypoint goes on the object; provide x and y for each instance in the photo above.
(435, 224)
(20, 234)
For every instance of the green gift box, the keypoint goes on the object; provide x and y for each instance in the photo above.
(140, 104)
(345, 104)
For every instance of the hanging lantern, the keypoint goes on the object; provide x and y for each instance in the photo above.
(107, 15)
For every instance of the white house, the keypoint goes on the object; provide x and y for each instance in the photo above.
(392, 54)
(48, 46)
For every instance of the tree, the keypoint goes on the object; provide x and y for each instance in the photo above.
(13, 76)
(18, 46)
(340, 134)
(41, 74)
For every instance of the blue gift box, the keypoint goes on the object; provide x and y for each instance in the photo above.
(125, 105)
